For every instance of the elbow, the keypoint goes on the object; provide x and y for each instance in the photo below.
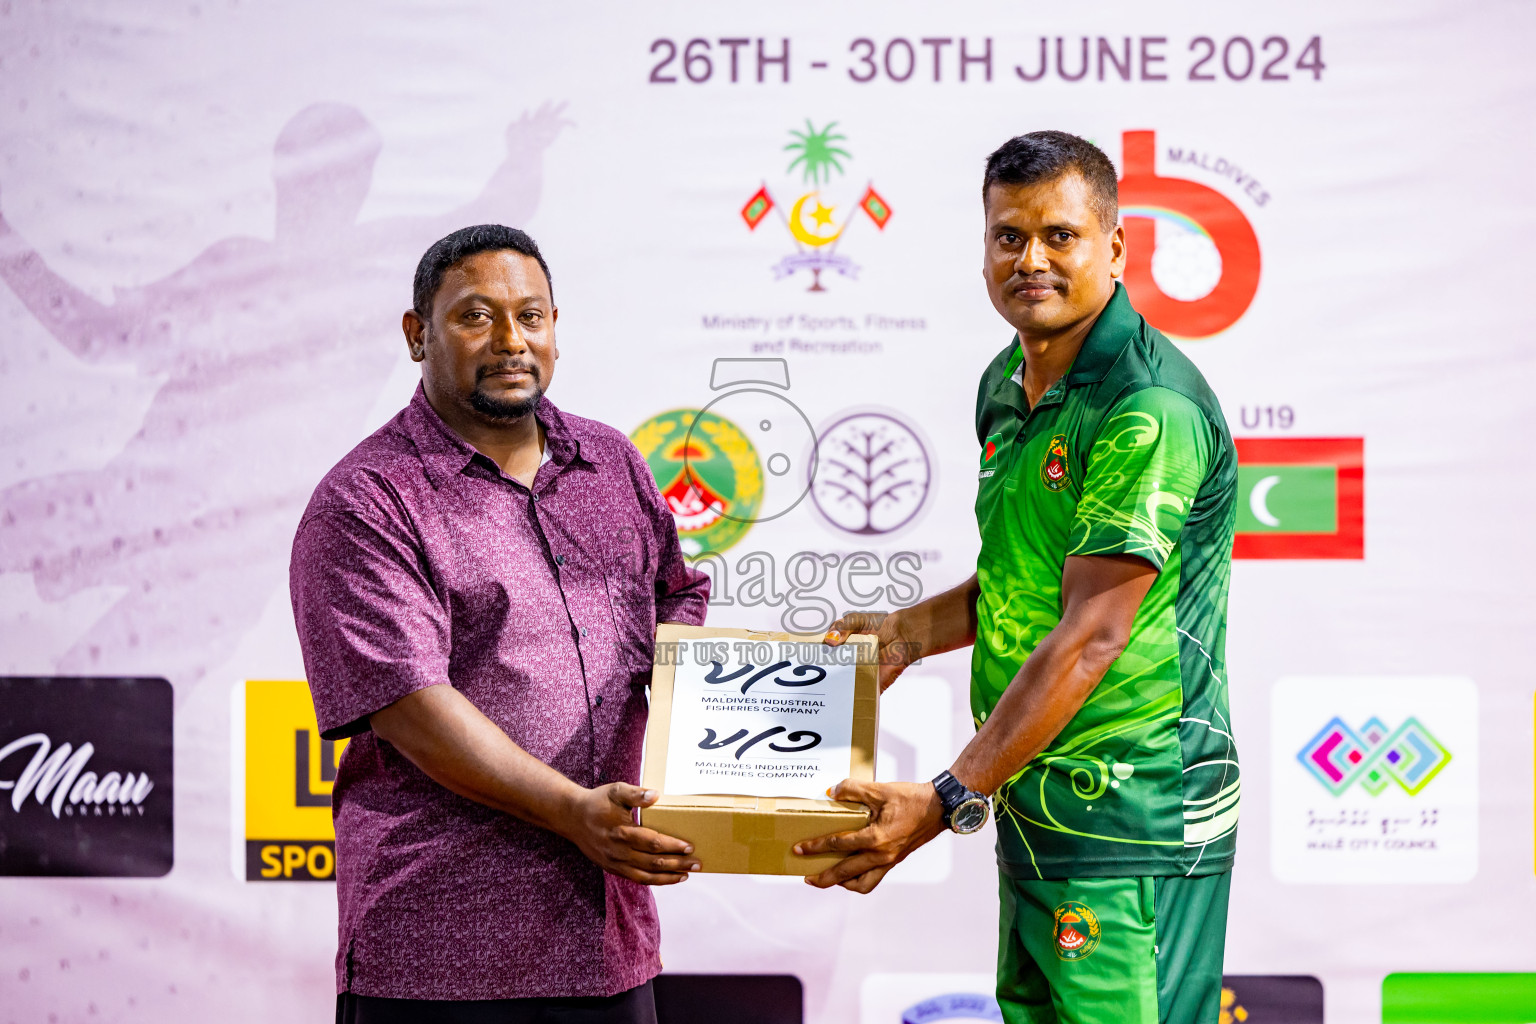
(1101, 649)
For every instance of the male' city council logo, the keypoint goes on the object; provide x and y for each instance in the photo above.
(875, 474)
(1375, 756)
(709, 475)
(1200, 276)
(812, 220)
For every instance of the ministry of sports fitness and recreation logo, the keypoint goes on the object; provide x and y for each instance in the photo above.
(874, 474)
(1300, 498)
(1077, 931)
(85, 777)
(812, 220)
(283, 773)
(1374, 756)
(1192, 258)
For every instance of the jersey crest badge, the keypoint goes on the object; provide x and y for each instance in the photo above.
(989, 455)
(1054, 470)
(1077, 931)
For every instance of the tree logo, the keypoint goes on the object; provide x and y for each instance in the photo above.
(874, 474)
(812, 220)
(1192, 259)
(709, 475)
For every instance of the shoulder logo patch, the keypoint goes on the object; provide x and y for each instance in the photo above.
(989, 455)
(1054, 470)
(1077, 931)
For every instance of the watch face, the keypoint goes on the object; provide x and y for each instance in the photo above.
(969, 816)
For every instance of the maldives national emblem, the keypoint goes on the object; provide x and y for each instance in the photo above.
(812, 220)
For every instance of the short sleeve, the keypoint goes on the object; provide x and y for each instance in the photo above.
(370, 624)
(682, 592)
(1146, 465)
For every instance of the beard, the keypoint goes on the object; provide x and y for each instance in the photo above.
(505, 408)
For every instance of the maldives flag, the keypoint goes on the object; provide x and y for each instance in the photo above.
(1300, 497)
(878, 209)
(757, 208)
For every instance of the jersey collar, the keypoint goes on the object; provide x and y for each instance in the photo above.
(1111, 333)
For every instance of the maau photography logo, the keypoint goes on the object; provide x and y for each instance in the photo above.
(85, 777)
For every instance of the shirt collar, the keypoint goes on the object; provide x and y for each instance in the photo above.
(1111, 333)
(445, 454)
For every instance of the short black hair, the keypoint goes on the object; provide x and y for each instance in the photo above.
(462, 244)
(1043, 156)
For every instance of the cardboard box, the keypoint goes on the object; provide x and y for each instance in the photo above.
(751, 834)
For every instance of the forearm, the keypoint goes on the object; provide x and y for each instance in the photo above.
(1049, 689)
(448, 738)
(944, 622)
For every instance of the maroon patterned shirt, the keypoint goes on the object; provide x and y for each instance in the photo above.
(418, 563)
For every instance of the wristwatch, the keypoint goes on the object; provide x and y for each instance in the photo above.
(965, 810)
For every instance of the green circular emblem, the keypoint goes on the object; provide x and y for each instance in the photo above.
(1077, 931)
(709, 476)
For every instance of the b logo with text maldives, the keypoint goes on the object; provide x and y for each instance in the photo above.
(1192, 258)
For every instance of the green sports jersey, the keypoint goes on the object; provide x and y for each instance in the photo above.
(1127, 454)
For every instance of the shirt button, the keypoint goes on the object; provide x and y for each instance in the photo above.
(583, 630)
(535, 497)
(559, 559)
(599, 701)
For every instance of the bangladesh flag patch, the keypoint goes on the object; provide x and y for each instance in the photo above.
(989, 455)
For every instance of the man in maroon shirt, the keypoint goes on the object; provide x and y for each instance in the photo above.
(477, 588)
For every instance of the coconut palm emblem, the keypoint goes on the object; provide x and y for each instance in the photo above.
(812, 220)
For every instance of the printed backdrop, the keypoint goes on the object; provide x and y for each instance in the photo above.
(763, 224)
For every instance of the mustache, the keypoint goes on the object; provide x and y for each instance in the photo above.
(532, 369)
(1036, 280)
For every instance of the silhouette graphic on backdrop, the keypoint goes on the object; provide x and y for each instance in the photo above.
(272, 353)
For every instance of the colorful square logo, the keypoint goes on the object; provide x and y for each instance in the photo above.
(1374, 780)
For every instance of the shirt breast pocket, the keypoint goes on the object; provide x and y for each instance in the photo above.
(629, 573)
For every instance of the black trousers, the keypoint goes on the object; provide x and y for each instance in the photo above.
(637, 1006)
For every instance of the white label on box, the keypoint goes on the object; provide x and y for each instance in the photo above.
(760, 719)
(1375, 780)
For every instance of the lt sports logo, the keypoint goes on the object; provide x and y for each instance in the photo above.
(1376, 757)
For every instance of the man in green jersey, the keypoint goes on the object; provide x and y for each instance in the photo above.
(1106, 504)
